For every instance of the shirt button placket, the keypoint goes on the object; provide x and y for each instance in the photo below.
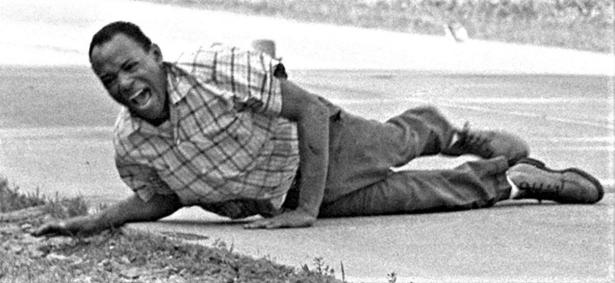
(176, 132)
(175, 125)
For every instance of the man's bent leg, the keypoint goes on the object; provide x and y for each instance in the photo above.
(474, 184)
(362, 151)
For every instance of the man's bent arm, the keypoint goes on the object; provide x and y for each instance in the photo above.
(312, 120)
(132, 209)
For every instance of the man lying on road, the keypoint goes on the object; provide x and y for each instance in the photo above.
(224, 129)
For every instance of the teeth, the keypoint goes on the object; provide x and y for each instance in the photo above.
(140, 97)
(132, 97)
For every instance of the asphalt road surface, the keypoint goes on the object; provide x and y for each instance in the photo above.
(55, 134)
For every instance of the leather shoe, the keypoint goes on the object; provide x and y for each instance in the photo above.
(536, 181)
(488, 144)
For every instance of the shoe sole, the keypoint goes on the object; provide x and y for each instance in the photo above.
(541, 165)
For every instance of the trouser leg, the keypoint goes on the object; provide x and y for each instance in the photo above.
(361, 151)
(474, 184)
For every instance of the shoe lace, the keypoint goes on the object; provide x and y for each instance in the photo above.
(474, 141)
(541, 191)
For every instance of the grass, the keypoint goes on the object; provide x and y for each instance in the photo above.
(576, 24)
(130, 255)
(123, 255)
(11, 199)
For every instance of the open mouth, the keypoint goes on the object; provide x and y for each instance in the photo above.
(141, 97)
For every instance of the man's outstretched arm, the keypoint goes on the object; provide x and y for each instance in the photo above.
(132, 209)
(312, 120)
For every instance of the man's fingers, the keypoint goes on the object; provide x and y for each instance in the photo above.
(39, 232)
(50, 229)
(45, 230)
(290, 219)
(256, 224)
(272, 224)
(264, 224)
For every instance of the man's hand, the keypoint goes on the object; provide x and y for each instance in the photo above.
(290, 219)
(81, 226)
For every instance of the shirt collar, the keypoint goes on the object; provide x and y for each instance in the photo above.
(179, 83)
(127, 124)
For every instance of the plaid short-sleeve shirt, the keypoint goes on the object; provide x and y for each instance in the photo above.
(225, 139)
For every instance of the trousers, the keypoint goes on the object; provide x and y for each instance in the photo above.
(362, 152)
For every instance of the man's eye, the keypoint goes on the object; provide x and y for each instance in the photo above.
(130, 67)
(107, 81)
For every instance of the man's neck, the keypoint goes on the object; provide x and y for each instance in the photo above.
(165, 114)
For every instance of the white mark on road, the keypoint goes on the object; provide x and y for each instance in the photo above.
(456, 104)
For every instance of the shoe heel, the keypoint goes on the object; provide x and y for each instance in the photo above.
(533, 162)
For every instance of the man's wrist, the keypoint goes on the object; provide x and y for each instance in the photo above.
(104, 220)
(311, 211)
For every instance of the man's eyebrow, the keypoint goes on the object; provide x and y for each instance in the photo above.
(106, 76)
(111, 73)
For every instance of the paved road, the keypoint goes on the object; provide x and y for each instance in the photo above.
(512, 242)
(564, 118)
(55, 133)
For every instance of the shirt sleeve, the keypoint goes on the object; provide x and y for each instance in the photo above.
(143, 180)
(247, 76)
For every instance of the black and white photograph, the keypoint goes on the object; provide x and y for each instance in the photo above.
(345, 141)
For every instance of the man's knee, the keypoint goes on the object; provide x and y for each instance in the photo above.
(425, 114)
(427, 110)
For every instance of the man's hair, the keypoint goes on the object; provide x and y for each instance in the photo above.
(129, 29)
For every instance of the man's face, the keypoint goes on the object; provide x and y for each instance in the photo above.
(134, 77)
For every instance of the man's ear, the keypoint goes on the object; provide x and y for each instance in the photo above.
(155, 50)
